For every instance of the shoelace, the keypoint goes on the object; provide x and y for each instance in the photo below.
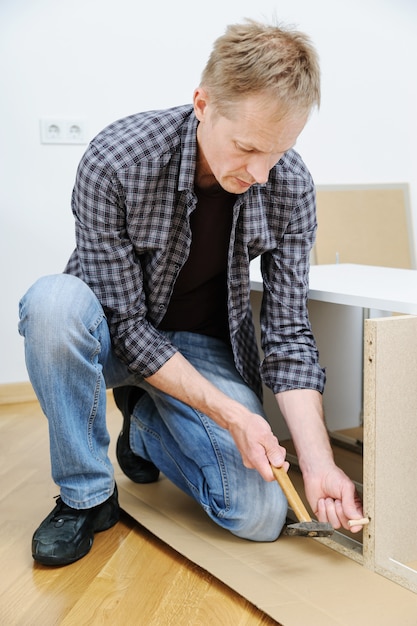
(62, 511)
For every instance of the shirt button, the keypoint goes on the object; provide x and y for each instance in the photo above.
(161, 307)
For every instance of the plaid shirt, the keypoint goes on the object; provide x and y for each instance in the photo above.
(132, 199)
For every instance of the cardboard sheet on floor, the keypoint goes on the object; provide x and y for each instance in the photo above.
(297, 581)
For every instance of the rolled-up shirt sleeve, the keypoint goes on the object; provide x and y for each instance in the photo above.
(290, 352)
(108, 262)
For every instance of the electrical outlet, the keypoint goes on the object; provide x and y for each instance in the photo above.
(63, 131)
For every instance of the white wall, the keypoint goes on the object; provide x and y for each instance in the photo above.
(100, 60)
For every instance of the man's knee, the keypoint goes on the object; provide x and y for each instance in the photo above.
(50, 300)
(51, 292)
(257, 513)
(265, 523)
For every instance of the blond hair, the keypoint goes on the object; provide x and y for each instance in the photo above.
(254, 58)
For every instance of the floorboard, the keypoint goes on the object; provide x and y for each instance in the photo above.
(129, 577)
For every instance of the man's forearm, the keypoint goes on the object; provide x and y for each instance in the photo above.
(178, 378)
(251, 433)
(303, 413)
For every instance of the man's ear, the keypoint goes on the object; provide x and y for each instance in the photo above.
(201, 101)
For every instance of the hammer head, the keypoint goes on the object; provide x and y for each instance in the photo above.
(309, 529)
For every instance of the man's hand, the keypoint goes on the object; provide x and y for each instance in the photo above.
(331, 494)
(333, 497)
(258, 446)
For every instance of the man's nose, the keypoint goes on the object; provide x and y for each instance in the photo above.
(259, 167)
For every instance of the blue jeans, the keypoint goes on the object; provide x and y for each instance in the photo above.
(71, 362)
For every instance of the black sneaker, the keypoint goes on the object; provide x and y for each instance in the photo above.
(135, 467)
(67, 534)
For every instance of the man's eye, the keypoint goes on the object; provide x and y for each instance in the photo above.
(243, 149)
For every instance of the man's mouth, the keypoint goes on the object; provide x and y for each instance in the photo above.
(243, 183)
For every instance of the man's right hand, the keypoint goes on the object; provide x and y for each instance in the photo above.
(257, 444)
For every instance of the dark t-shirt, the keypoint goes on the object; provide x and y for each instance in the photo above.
(199, 300)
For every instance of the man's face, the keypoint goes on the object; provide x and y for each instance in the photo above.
(241, 151)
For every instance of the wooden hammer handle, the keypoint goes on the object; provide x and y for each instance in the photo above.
(292, 496)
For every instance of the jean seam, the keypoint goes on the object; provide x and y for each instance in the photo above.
(93, 327)
(220, 461)
(97, 389)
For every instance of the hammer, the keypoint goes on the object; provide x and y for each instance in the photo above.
(306, 526)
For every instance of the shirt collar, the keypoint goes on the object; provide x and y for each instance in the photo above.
(188, 153)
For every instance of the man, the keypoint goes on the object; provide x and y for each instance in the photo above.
(170, 208)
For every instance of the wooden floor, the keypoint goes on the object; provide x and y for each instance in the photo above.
(130, 577)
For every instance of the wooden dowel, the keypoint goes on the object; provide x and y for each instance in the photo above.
(359, 522)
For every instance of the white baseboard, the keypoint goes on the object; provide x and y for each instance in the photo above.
(13, 393)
